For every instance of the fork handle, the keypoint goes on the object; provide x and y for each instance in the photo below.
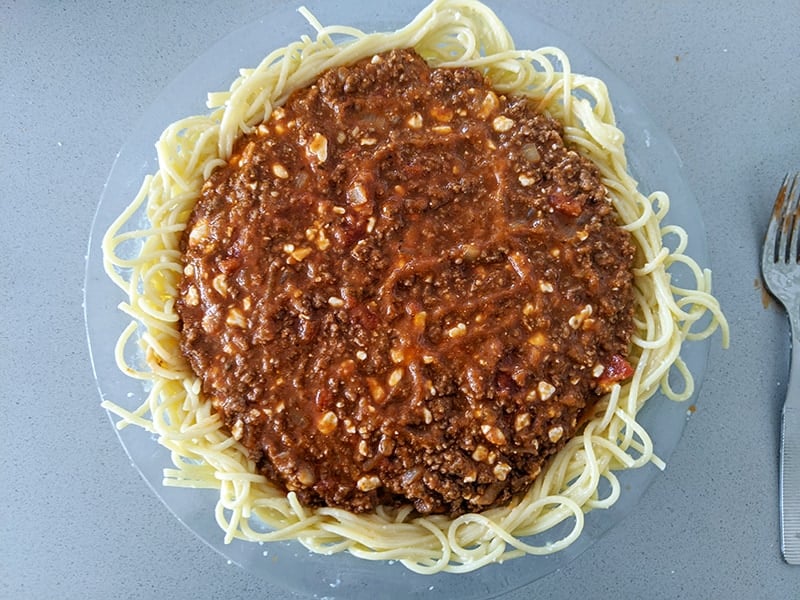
(790, 455)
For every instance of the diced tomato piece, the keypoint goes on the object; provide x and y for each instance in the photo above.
(617, 369)
(323, 399)
(568, 205)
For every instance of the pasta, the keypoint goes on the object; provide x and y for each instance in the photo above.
(142, 256)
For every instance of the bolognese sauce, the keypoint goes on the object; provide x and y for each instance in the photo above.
(403, 288)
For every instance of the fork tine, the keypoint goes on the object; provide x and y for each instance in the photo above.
(786, 217)
(793, 211)
(772, 239)
(786, 220)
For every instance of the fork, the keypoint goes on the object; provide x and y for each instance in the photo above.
(780, 268)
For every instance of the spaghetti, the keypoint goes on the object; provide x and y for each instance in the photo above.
(204, 455)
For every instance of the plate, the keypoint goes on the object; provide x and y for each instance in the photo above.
(653, 161)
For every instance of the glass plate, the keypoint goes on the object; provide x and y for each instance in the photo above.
(653, 161)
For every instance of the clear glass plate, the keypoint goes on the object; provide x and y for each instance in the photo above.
(653, 161)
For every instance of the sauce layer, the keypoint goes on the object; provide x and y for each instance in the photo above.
(404, 288)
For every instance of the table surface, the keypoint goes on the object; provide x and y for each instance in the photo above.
(722, 82)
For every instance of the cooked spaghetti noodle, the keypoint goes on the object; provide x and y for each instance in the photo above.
(204, 455)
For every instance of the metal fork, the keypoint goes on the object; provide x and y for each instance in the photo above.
(780, 268)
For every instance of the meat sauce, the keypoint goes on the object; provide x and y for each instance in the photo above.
(404, 288)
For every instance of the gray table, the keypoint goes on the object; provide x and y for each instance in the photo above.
(78, 520)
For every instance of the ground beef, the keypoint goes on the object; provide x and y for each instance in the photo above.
(404, 288)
